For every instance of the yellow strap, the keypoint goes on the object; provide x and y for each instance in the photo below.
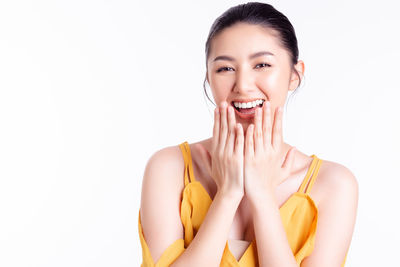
(183, 149)
(314, 176)
(187, 157)
(310, 170)
(190, 166)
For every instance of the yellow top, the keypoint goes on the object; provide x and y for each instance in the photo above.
(299, 217)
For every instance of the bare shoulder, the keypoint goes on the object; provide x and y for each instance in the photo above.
(335, 179)
(160, 200)
(336, 215)
(166, 161)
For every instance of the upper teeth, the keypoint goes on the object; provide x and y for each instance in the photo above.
(248, 104)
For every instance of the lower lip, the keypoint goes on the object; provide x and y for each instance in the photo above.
(249, 113)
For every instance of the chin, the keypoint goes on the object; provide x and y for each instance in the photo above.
(245, 125)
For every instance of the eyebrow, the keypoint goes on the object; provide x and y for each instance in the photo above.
(258, 54)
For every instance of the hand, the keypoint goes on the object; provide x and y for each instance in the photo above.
(263, 169)
(225, 164)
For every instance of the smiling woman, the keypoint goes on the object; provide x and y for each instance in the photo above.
(244, 197)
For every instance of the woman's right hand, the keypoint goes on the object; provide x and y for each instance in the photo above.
(225, 164)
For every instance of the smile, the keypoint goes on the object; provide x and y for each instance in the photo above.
(246, 110)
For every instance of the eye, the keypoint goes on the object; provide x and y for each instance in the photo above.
(262, 65)
(224, 69)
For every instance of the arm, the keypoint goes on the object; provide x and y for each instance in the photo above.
(225, 166)
(336, 218)
(160, 202)
(263, 173)
(272, 245)
(160, 206)
(207, 247)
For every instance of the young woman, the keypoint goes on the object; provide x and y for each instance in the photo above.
(244, 197)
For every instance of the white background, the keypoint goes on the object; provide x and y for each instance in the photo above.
(89, 90)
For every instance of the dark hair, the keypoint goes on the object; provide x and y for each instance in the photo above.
(258, 14)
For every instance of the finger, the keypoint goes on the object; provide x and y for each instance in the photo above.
(230, 142)
(239, 142)
(249, 150)
(223, 130)
(267, 125)
(258, 136)
(215, 138)
(277, 130)
(205, 157)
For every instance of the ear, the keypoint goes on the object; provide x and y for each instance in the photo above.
(294, 79)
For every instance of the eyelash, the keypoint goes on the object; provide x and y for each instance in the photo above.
(224, 68)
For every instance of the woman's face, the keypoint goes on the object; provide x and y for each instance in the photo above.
(247, 63)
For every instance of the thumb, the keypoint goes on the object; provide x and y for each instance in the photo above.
(205, 156)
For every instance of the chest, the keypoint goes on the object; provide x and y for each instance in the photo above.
(241, 232)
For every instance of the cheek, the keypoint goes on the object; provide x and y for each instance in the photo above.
(221, 87)
(272, 84)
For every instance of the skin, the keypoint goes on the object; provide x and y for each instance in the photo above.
(247, 161)
(267, 77)
(256, 144)
(244, 78)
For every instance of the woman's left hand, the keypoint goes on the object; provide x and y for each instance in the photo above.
(263, 155)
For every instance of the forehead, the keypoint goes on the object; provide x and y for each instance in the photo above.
(242, 39)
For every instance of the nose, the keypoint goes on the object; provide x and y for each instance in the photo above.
(244, 82)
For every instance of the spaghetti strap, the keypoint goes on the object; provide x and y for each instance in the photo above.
(310, 170)
(314, 176)
(187, 157)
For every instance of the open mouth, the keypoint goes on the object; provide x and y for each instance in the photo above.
(247, 108)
